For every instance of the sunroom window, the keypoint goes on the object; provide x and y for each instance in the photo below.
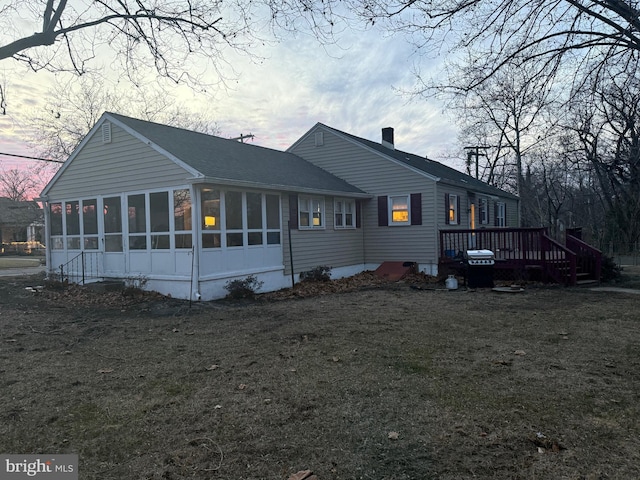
(273, 219)
(182, 218)
(233, 213)
(72, 222)
(55, 219)
(210, 210)
(90, 224)
(159, 216)
(112, 224)
(254, 218)
(137, 222)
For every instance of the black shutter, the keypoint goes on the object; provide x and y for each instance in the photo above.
(383, 211)
(416, 209)
(358, 214)
(293, 211)
(458, 216)
(495, 214)
(446, 209)
(505, 214)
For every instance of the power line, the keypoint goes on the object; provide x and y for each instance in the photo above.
(31, 158)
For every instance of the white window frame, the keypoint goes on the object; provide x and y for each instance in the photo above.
(501, 217)
(483, 207)
(344, 207)
(307, 205)
(90, 241)
(407, 200)
(452, 213)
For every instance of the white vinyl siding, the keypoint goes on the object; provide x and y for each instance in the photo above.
(378, 176)
(315, 247)
(124, 164)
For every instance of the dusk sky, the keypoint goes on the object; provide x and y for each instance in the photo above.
(352, 87)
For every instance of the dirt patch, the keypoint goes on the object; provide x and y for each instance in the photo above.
(361, 379)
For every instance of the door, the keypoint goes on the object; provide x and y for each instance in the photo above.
(112, 242)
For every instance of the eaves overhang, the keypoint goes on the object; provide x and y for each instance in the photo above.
(279, 188)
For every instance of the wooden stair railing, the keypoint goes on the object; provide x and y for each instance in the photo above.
(588, 259)
(558, 262)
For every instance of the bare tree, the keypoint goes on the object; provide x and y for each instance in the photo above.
(174, 39)
(587, 35)
(18, 184)
(606, 124)
(74, 107)
(504, 115)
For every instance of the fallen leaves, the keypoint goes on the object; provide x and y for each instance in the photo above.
(545, 444)
(303, 475)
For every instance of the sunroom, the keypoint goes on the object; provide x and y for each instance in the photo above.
(168, 238)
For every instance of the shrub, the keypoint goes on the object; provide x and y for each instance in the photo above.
(243, 287)
(318, 274)
(610, 270)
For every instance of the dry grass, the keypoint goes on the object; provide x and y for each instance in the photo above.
(537, 385)
(19, 262)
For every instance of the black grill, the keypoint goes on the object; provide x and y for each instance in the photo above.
(479, 266)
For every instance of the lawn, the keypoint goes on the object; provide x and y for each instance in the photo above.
(383, 382)
(19, 262)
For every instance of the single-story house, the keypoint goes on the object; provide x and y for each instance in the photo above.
(188, 212)
(20, 221)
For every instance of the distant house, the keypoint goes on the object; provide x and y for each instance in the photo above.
(188, 211)
(19, 221)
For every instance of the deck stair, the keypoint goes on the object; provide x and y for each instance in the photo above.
(526, 254)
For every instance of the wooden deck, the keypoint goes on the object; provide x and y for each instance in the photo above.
(523, 254)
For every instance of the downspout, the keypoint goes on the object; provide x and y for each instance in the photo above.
(47, 235)
(436, 233)
(195, 242)
(363, 232)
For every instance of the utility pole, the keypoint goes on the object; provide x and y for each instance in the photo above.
(474, 152)
(243, 136)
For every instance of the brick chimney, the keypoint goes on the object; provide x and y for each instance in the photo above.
(387, 137)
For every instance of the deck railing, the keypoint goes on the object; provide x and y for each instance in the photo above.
(523, 249)
(82, 268)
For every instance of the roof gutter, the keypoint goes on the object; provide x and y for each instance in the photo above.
(279, 188)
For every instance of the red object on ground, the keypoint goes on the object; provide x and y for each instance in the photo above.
(394, 271)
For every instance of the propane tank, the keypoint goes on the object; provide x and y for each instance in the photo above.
(451, 282)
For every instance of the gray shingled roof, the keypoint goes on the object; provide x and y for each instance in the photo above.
(18, 213)
(231, 161)
(431, 167)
